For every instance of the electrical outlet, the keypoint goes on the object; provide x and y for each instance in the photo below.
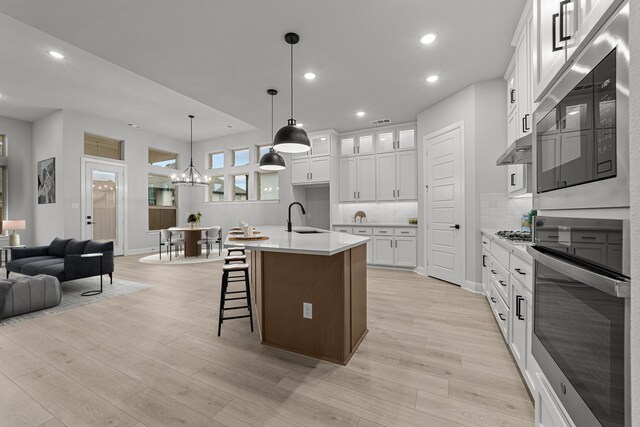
(307, 310)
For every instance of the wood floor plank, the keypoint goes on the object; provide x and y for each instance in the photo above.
(15, 360)
(245, 414)
(70, 402)
(155, 409)
(512, 405)
(17, 408)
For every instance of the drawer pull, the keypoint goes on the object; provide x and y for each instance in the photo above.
(502, 283)
(519, 315)
(520, 272)
(381, 231)
(493, 300)
(404, 232)
(494, 272)
(502, 317)
(589, 237)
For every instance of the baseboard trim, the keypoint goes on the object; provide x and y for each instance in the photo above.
(140, 251)
(474, 287)
(421, 271)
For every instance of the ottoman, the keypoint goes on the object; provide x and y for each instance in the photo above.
(29, 294)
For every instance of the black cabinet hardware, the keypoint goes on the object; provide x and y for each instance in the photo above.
(494, 272)
(456, 226)
(524, 125)
(502, 283)
(513, 179)
(493, 300)
(513, 96)
(484, 260)
(563, 18)
(519, 315)
(526, 122)
(554, 36)
(501, 316)
(520, 271)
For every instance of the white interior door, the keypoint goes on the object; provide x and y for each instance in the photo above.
(445, 206)
(103, 204)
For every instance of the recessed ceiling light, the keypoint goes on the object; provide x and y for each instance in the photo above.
(323, 139)
(360, 113)
(429, 38)
(310, 76)
(56, 55)
(433, 78)
(299, 125)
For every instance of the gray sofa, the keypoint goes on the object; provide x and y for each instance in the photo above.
(29, 294)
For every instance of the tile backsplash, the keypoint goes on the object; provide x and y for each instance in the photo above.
(499, 211)
(395, 213)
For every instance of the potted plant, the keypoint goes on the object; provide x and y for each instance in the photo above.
(198, 216)
(191, 219)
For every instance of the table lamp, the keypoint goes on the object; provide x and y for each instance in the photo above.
(14, 224)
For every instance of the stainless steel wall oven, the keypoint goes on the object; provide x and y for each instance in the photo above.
(581, 308)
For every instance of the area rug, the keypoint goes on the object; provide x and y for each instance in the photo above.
(180, 260)
(71, 297)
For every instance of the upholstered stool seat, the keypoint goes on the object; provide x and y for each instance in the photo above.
(235, 267)
(234, 250)
(235, 258)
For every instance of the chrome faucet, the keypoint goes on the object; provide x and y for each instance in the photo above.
(289, 220)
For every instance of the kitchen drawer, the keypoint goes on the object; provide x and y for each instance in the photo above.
(589, 236)
(410, 232)
(486, 242)
(522, 271)
(383, 231)
(501, 313)
(348, 230)
(501, 254)
(502, 288)
(366, 231)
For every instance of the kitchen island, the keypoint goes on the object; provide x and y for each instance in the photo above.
(323, 268)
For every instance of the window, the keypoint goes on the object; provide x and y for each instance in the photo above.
(2, 195)
(162, 202)
(268, 186)
(101, 146)
(216, 189)
(262, 150)
(163, 159)
(240, 187)
(2, 145)
(241, 157)
(216, 160)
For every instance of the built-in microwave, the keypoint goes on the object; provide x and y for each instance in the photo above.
(581, 147)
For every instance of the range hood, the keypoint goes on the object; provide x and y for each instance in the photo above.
(518, 153)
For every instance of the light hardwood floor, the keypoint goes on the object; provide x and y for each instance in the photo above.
(433, 357)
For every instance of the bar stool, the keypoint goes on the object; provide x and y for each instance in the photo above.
(242, 268)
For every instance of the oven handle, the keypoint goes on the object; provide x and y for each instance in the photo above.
(617, 288)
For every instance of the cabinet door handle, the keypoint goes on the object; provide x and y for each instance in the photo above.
(396, 243)
(520, 271)
(501, 316)
(513, 179)
(526, 122)
(519, 315)
(493, 300)
(513, 96)
(562, 19)
(354, 194)
(397, 193)
(502, 283)
(484, 260)
(494, 272)
(524, 125)
(554, 36)
(391, 243)
(311, 175)
(394, 193)
(358, 194)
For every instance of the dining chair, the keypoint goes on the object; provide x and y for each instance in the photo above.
(170, 239)
(212, 236)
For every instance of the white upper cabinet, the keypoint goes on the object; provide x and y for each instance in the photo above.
(366, 191)
(365, 144)
(523, 78)
(406, 139)
(550, 52)
(348, 146)
(348, 179)
(585, 16)
(385, 142)
(512, 90)
(407, 176)
(312, 170)
(299, 171)
(320, 146)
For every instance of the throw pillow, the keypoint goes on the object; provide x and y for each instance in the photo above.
(75, 247)
(57, 247)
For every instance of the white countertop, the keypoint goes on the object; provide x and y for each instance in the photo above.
(520, 247)
(326, 243)
(374, 224)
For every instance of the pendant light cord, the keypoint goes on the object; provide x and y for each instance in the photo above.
(191, 117)
(272, 118)
(292, 82)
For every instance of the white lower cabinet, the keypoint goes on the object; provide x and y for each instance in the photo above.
(383, 250)
(392, 247)
(520, 323)
(548, 411)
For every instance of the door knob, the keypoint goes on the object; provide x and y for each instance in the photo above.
(456, 226)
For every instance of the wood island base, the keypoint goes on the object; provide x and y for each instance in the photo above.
(335, 285)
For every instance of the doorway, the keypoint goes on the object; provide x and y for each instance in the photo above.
(444, 210)
(103, 203)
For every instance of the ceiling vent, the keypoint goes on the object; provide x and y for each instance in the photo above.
(380, 122)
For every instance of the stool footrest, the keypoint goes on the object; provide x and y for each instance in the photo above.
(236, 292)
(235, 308)
(236, 317)
(233, 299)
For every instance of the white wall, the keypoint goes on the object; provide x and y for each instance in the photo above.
(482, 109)
(228, 214)
(20, 192)
(48, 220)
(634, 80)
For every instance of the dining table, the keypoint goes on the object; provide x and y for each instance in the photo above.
(191, 237)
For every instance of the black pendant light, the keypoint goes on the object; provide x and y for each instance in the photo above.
(291, 138)
(272, 161)
(191, 177)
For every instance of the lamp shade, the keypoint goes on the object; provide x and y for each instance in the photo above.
(272, 161)
(291, 139)
(14, 224)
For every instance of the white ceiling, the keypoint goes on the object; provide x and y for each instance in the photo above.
(225, 54)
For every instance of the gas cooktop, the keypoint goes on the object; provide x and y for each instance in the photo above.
(515, 236)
